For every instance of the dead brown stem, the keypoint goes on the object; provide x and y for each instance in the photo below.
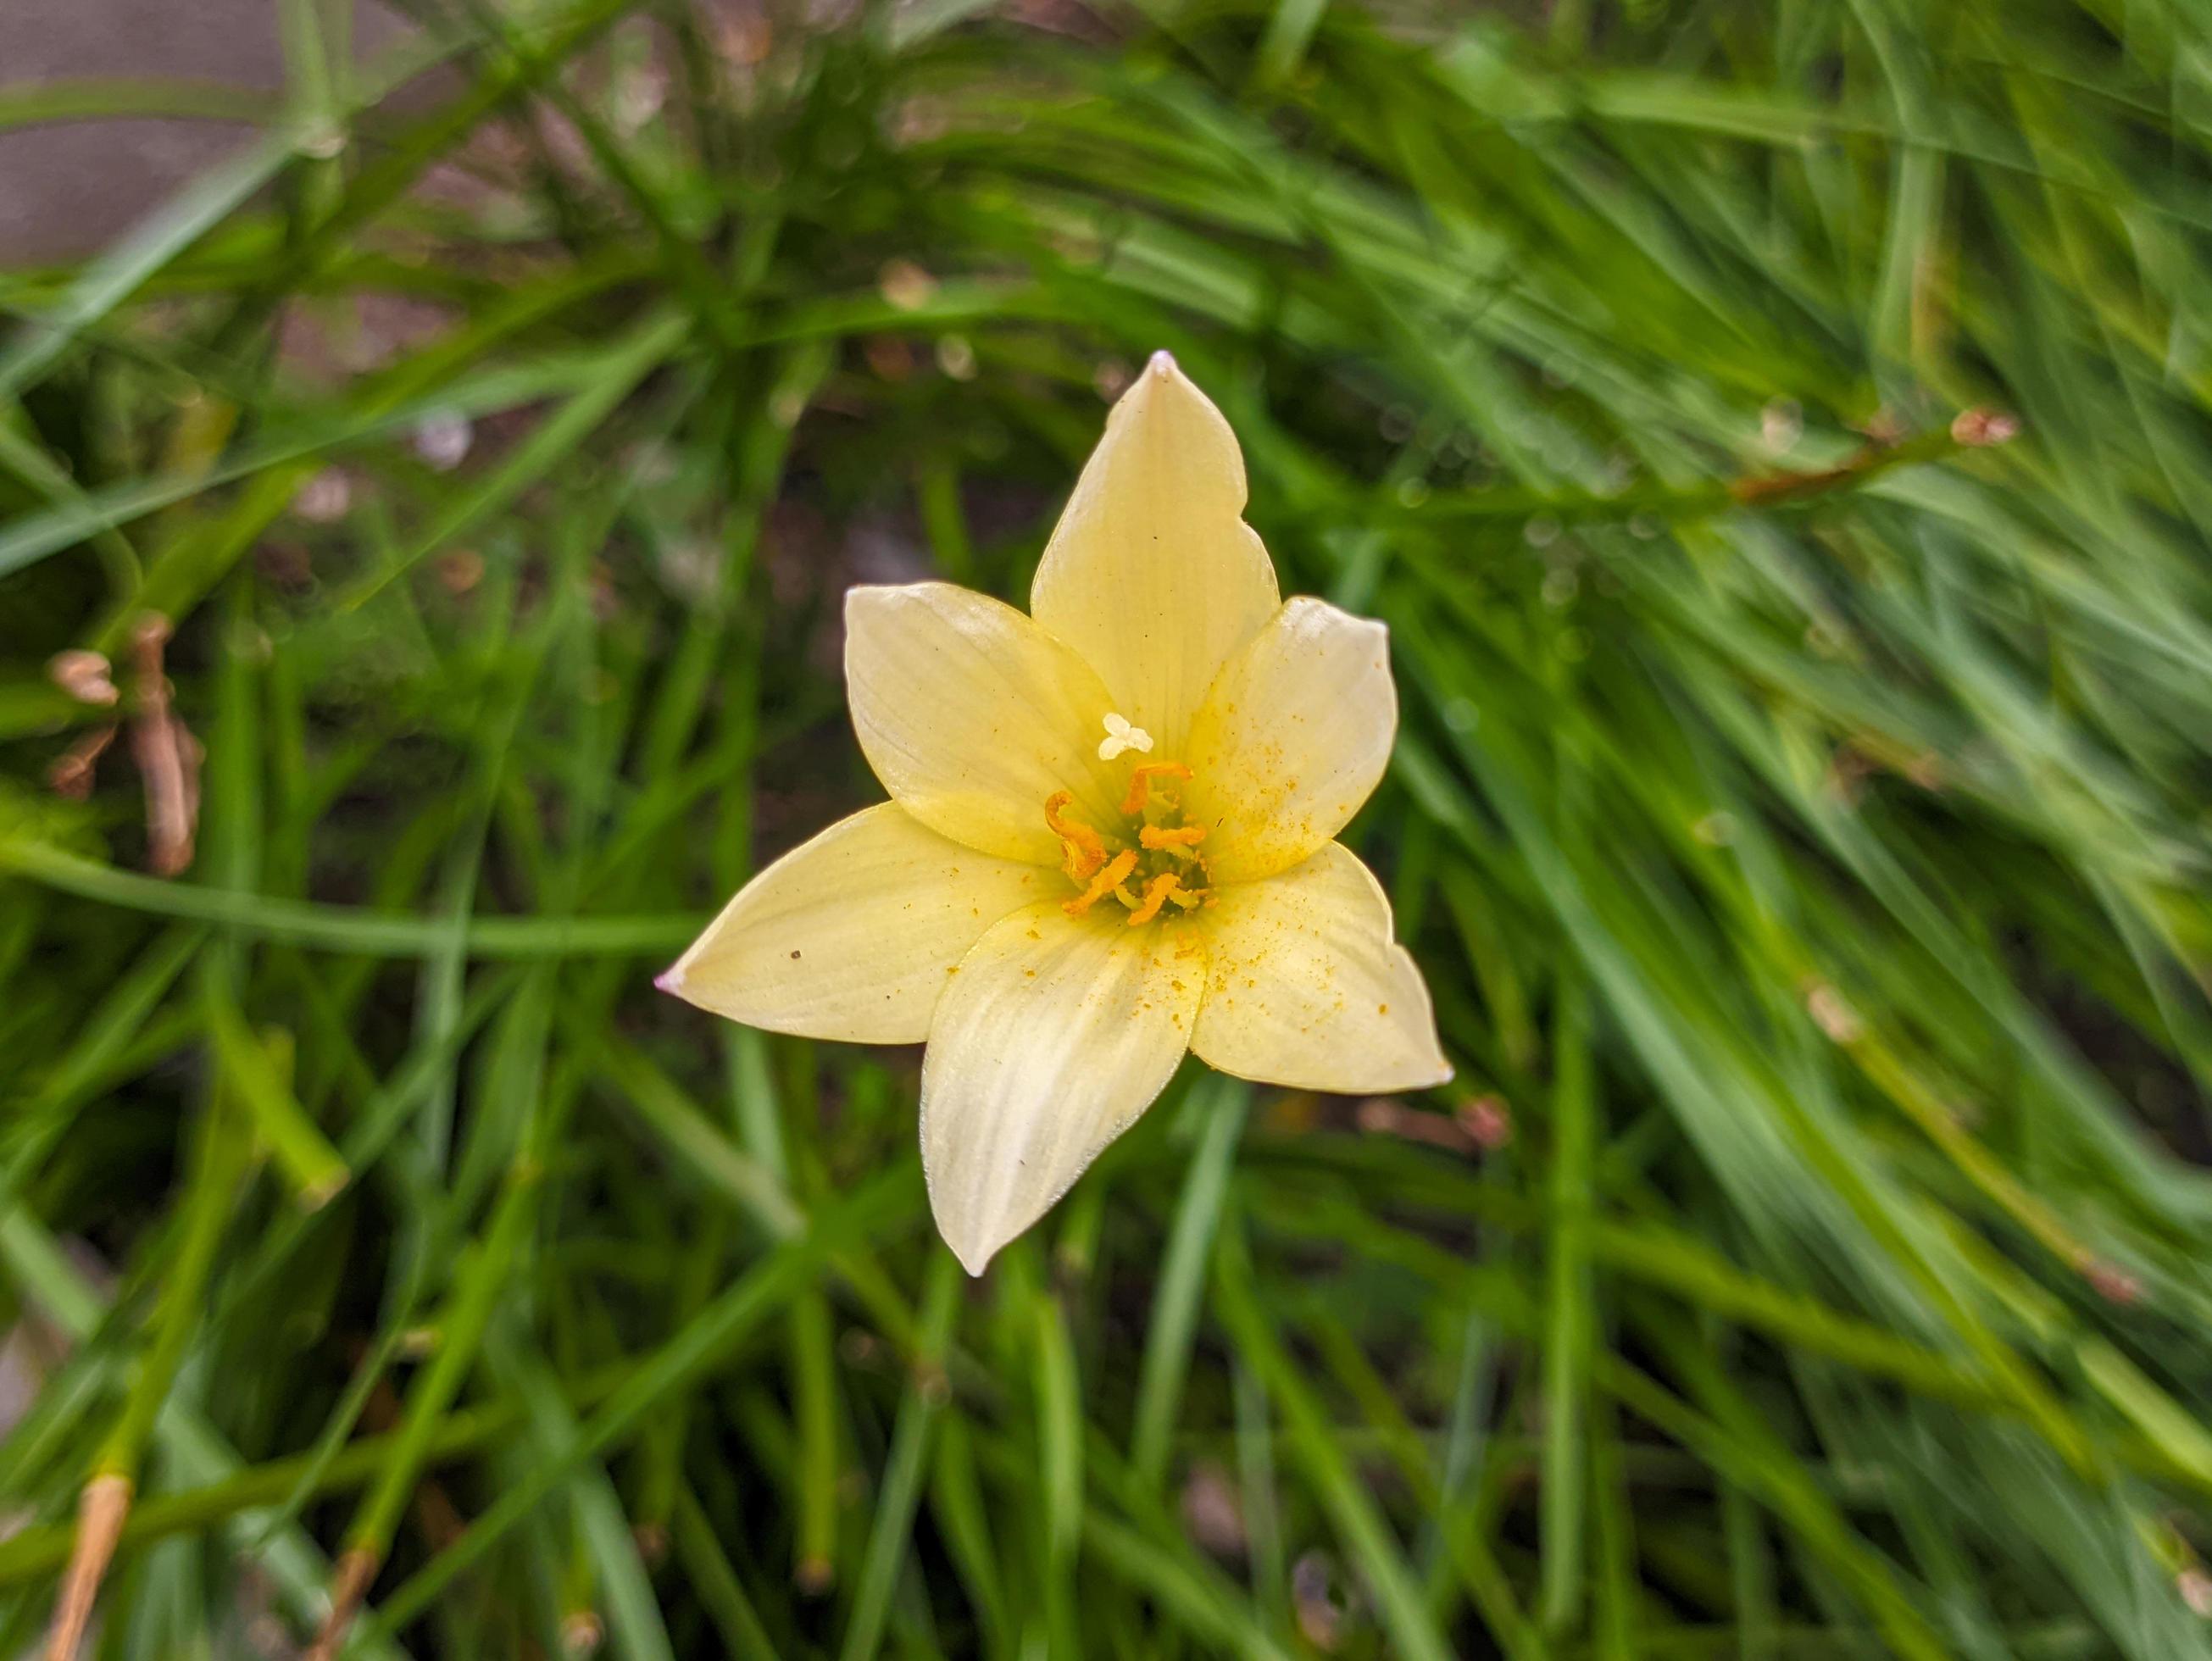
(101, 1511)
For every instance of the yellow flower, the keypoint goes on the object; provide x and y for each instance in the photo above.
(1108, 841)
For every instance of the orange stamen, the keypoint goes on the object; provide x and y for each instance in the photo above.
(1116, 872)
(1156, 893)
(1082, 850)
(1140, 781)
(1177, 842)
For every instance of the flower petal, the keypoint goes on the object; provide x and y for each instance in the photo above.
(852, 936)
(1305, 988)
(1053, 1036)
(1152, 574)
(1290, 741)
(972, 715)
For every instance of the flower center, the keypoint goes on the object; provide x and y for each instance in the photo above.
(1149, 861)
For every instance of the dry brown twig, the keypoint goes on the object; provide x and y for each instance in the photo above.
(101, 1510)
(168, 755)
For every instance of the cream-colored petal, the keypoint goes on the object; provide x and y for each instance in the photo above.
(1305, 988)
(854, 934)
(1152, 574)
(1292, 738)
(972, 715)
(1053, 1036)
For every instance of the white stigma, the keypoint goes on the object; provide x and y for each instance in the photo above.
(1121, 736)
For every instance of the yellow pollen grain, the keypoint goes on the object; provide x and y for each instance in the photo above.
(1116, 872)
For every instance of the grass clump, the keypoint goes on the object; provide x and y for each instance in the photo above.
(1777, 440)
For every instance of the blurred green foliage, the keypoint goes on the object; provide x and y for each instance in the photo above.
(1800, 814)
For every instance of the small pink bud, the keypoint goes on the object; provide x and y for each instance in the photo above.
(2114, 1283)
(1488, 1120)
(905, 286)
(2195, 1589)
(324, 499)
(1979, 429)
(87, 676)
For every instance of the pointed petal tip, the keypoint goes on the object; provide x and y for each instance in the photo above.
(974, 1263)
(671, 980)
(1438, 1074)
(858, 593)
(973, 1246)
(1163, 363)
(974, 1252)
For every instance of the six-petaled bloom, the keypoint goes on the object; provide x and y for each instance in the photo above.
(1110, 837)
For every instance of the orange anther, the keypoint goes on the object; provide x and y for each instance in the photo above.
(1083, 851)
(1175, 841)
(1156, 893)
(1117, 869)
(1140, 781)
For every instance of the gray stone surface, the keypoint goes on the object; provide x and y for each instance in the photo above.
(67, 188)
